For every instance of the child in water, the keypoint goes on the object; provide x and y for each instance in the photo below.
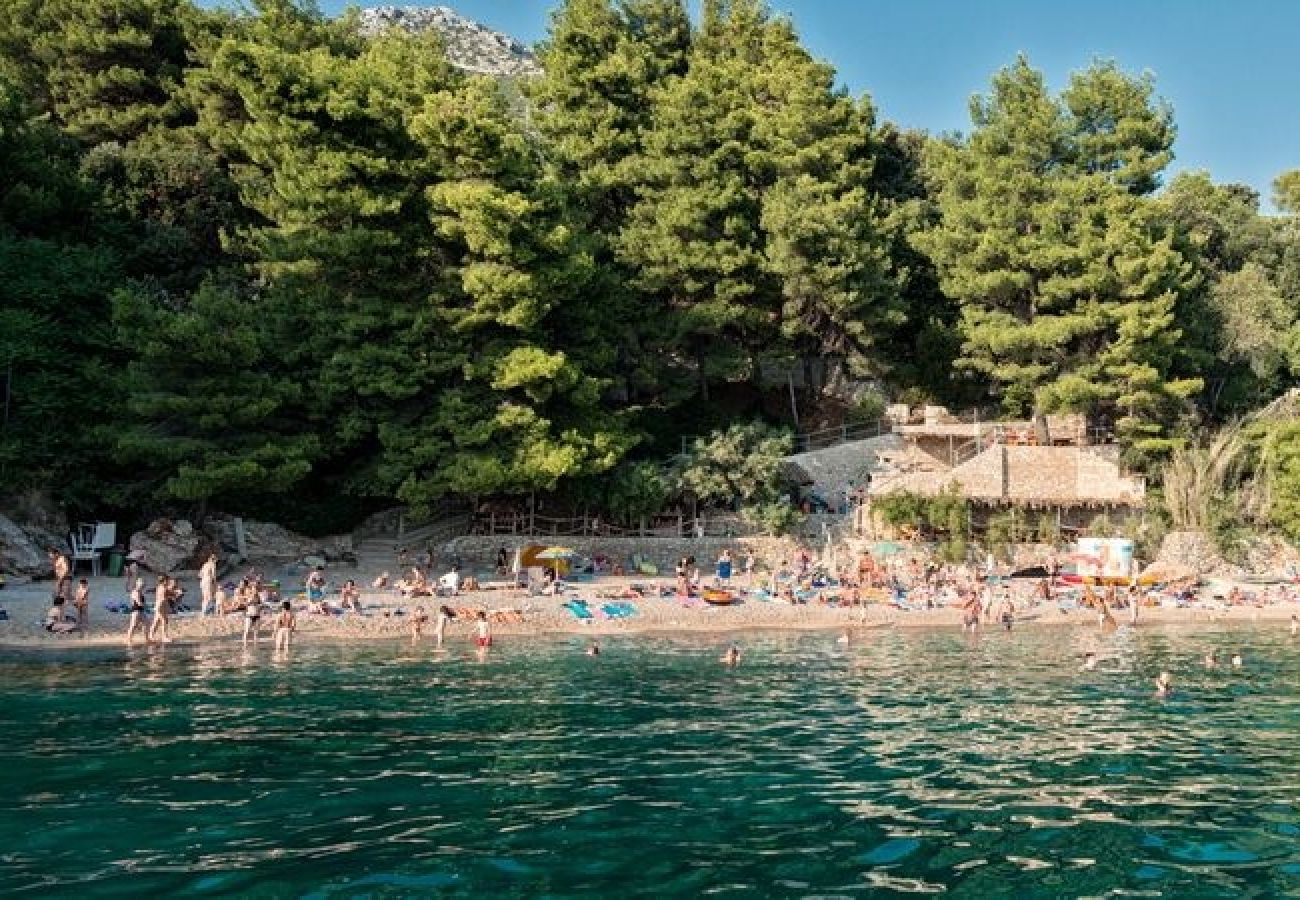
(419, 619)
(732, 656)
(483, 631)
(285, 625)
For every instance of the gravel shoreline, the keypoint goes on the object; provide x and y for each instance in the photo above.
(389, 617)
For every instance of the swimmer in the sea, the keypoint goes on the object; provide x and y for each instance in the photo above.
(1164, 685)
(732, 656)
(1212, 659)
(1089, 661)
(1236, 661)
(593, 649)
(1295, 625)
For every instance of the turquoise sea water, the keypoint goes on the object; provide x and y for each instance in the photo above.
(908, 762)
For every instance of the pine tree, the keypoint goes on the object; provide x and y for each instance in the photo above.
(111, 68)
(211, 415)
(56, 273)
(520, 413)
(1068, 279)
(754, 221)
(603, 63)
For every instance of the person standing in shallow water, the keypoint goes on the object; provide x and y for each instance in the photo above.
(445, 615)
(252, 617)
(137, 611)
(285, 625)
(483, 632)
(208, 584)
(161, 612)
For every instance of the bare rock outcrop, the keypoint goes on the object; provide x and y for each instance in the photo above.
(168, 546)
(21, 552)
(267, 540)
(470, 46)
(1195, 551)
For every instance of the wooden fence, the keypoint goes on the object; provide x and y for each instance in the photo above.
(524, 524)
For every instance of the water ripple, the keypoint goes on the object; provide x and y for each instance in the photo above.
(912, 763)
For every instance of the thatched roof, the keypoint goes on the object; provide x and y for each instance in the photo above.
(1028, 476)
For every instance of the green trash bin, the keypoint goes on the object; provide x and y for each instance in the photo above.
(115, 559)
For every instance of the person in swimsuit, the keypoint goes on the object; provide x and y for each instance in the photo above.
(315, 586)
(62, 572)
(724, 568)
(137, 611)
(419, 619)
(1164, 685)
(350, 596)
(1089, 661)
(1295, 625)
(445, 615)
(81, 600)
(55, 620)
(252, 617)
(1212, 659)
(971, 614)
(208, 584)
(593, 649)
(285, 625)
(161, 611)
(483, 631)
(731, 657)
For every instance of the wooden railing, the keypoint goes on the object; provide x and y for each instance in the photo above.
(807, 441)
(526, 525)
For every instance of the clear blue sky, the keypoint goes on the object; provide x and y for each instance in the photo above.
(1231, 68)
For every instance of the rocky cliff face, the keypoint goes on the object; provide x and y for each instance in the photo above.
(470, 46)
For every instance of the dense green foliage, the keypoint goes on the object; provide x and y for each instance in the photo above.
(264, 262)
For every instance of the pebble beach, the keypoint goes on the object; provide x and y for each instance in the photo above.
(516, 615)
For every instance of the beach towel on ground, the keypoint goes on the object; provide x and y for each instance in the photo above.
(578, 609)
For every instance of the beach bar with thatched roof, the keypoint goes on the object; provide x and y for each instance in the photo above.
(1076, 482)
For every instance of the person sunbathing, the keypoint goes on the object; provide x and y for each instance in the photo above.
(416, 585)
(55, 620)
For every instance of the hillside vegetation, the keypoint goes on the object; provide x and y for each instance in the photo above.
(303, 268)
